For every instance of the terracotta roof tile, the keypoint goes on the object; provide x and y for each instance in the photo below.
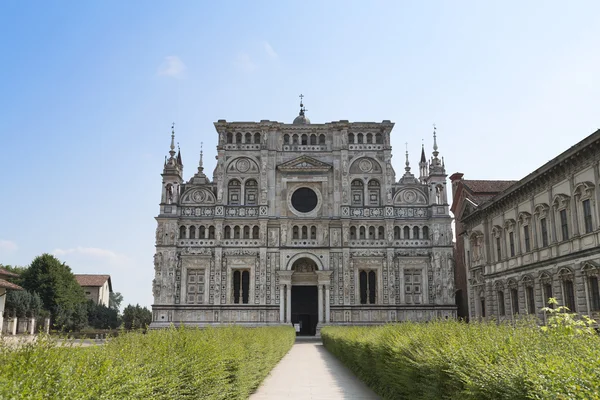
(91, 280)
(4, 272)
(477, 186)
(9, 285)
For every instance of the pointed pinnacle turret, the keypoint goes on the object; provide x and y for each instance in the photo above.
(201, 164)
(423, 158)
(172, 152)
(407, 168)
(435, 146)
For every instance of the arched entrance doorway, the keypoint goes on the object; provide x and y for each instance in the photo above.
(305, 303)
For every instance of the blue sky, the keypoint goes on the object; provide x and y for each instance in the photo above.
(89, 91)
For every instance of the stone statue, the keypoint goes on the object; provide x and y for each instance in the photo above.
(390, 235)
(335, 238)
(389, 195)
(326, 236)
(169, 194)
(159, 234)
(283, 234)
(220, 193)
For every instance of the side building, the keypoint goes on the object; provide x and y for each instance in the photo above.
(536, 239)
(303, 223)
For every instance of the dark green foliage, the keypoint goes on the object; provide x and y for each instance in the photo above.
(23, 304)
(136, 317)
(453, 360)
(70, 319)
(115, 300)
(176, 363)
(14, 269)
(54, 282)
(102, 317)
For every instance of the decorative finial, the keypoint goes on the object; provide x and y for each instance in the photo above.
(201, 165)
(435, 146)
(302, 109)
(172, 147)
(407, 169)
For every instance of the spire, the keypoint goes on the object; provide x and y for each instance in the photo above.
(301, 118)
(423, 158)
(172, 152)
(407, 169)
(201, 164)
(436, 166)
(302, 110)
(200, 178)
(435, 146)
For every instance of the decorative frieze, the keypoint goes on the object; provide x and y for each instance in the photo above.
(382, 212)
(225, 211)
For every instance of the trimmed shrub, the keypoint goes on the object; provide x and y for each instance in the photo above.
(454, 360)
(175, 363)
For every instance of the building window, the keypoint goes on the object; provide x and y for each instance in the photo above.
(362, 232)
(425, 233)
(351, 138)
(359, 138)
(501, 307)
(381, 233)
(594, 293)
(499, 248)
(406, 232)
(374, 190)
(378, 138)
(564, 225)
(352, 232)
(227, 232)
(304, 140)
(514, 299)
(286, 139)
(248, 137)
(182, 232)
(251, 192)
(526, 238)
(367, 287)
(195, 286)
(482, 300)
(416, 232)
(229, 137)
(238, 137)
(547, 290)
(569, 295)
(192, 234)
(234, 192)
(544, 229)
(313, 232)
(396, 233)
(530, 299)
(295, 139)
(357, 193)
(255, 232)
(211, 232)
(295, 232)
(241, 286)
(236, 232)
(511, 239)
(587, 215)
(304, 232)
(313, 139)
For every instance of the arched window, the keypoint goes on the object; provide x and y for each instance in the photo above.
(371, 232)
(304, 232)
(313, 232)
(192, 234)
(416, 232)
(251, 192)
(248, 137)
(396, 233)
(257, 138)
(229, 137)
(234, 192)
(295, 139)
(228, 232)
(255, 232)
(246, 232)
(501, 305)
(359, 138)
(514, 296)
(406, 233)
(566, 276)
(352, 232)
(321, 139)
(369, 138)
(236, 232)
(202, 232)
(357, 189)
(313, 139)
(381, 233)
(286, 139)
(529, 294)
(374, 192)
(362, 232)
(351, 138)
(304, 139)
(238, 138)
(295, 232)
(211, 232)
(426, 233)
(182, 232)
(378, 138)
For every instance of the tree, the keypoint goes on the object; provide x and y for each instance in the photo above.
(14, 269)
(115, 300)
(23, 304)
(136, 317)
(60, 293)
(102, 317)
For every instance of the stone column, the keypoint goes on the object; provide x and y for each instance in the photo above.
(281, 304)
(289, 303)
(12, 327)
(32, 326)
(47, 325)
(1, 323)
(320, 301)
(327, 307)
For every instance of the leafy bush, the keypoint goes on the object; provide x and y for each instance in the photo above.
(136, 317)
(23, 304)
(102, 317)
(176, 363)
(454, 360)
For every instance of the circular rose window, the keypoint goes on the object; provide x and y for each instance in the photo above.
(304, 200)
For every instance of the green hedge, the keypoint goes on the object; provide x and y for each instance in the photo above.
(176, 363)
(453, 360)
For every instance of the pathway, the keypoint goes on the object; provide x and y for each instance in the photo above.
(310, 372)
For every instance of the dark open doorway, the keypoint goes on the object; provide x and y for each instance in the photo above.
(305, 309)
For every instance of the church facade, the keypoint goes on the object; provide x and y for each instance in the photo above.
(303, 223)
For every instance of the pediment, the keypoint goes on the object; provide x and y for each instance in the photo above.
(412, 196)
(198, 196)
(304, 164)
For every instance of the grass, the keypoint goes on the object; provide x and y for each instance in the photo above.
(175, 363)
(453, 360)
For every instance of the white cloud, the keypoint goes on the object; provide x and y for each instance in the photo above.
(245, 63)
(172, 66)
(270, 51)
(8, 246)
(92, 252)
